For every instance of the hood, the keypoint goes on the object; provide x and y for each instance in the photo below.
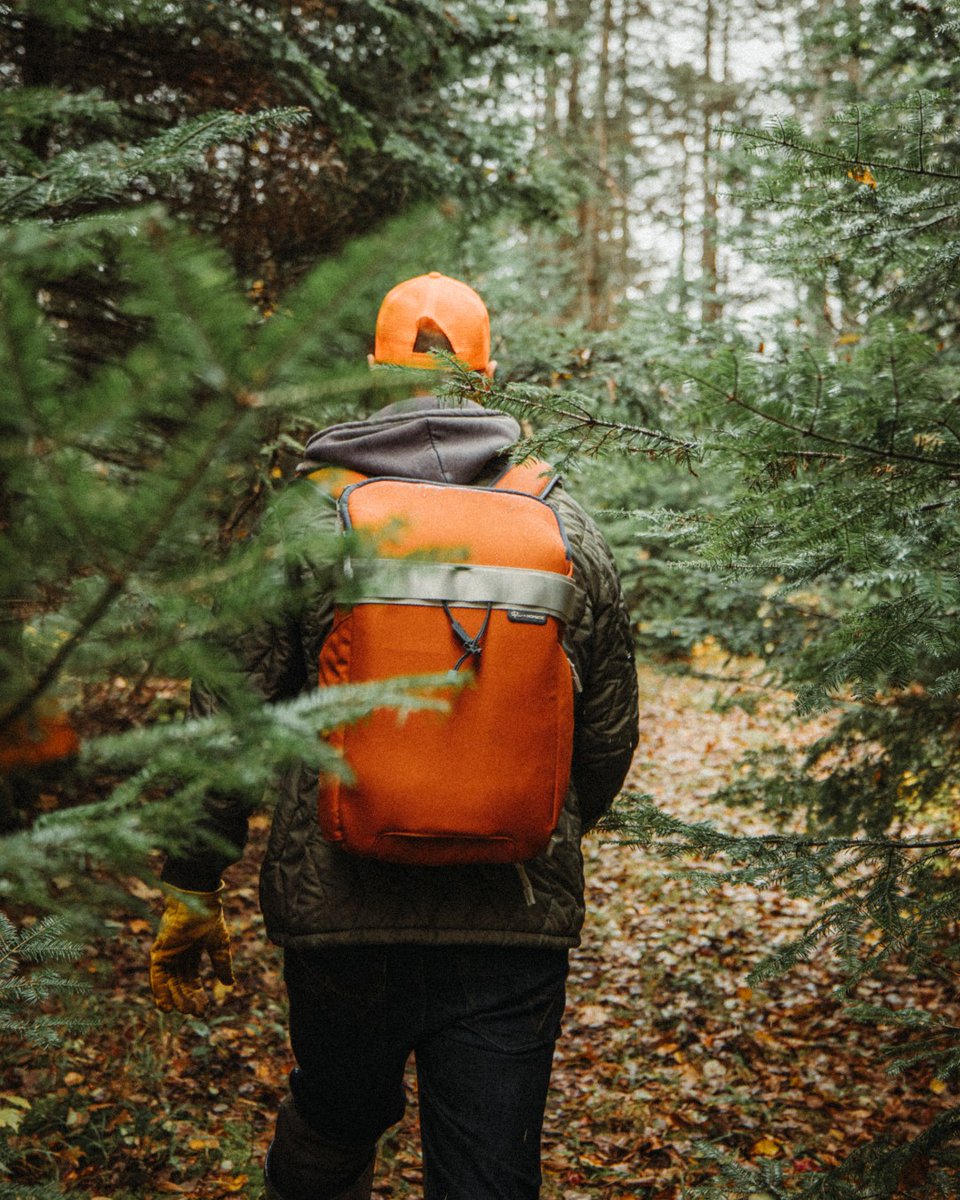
(418, 439)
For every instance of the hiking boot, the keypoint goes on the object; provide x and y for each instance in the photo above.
(301, 1165)
(360, 1189)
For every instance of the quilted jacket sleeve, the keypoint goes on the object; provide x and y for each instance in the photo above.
(273, 660)
(606, 720)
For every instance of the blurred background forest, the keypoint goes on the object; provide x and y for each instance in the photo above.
(719, 240)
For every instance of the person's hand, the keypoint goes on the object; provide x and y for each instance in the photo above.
(191, 923)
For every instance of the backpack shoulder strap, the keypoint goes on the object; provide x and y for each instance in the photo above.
(334, 481)
(532, 476)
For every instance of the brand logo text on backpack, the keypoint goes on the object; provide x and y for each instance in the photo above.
(524, 617)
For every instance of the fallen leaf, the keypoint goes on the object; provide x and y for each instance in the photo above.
(592, 1015)
(203, 1143)
(235, 1184)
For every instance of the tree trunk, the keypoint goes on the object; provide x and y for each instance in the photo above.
(683, 291)
(624, 134)
(39, 49)
(710, 308)
(578, 22)
(551, 122)
(814, 297)
(598, 231)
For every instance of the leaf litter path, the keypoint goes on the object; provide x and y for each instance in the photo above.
(664, 1045)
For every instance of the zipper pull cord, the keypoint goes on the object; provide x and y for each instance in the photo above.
(471, 645)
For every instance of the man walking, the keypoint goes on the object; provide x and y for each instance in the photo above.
(462, 965)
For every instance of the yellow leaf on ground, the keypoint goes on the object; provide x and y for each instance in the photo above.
(203, 1143)
(236, 1184)
(766, 1147)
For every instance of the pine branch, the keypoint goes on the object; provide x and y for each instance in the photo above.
(43, 940)
(103, 170)
(577, 414)
(807, 432)
(813, 151)
(653, 826)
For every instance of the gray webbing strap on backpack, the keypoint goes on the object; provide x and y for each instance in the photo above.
(401, 581)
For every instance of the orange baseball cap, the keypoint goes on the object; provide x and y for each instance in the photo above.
(432, 303)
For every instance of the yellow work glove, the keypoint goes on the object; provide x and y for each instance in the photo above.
(191, 923)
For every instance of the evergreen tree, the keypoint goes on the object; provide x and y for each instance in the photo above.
(114, 573)
(829, 446)
(112, 549)
(283, 130)
(835, 434)
(144, 396)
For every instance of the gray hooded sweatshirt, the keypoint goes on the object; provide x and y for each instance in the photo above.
(314, 893)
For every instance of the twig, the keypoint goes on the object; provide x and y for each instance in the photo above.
(587, 419)
(920, 131)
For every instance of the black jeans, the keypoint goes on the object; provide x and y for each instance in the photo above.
(482, 1022)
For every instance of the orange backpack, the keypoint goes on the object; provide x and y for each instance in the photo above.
(476, 577)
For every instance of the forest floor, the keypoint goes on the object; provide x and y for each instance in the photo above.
(666, 1046)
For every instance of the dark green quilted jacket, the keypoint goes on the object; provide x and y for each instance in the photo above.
(313, 893)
